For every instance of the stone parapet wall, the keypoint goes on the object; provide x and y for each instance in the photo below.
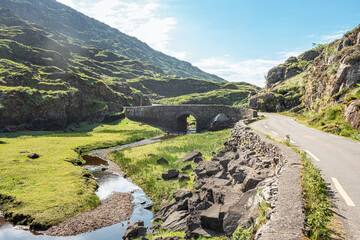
(168, 116)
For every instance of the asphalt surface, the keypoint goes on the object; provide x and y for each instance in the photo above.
(337, 158)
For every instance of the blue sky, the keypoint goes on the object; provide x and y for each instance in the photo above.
(238, 40)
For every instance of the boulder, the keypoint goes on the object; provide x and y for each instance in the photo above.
(208, 168)
(352, 114)
(187, 167)
(250, 182)
(176, 221)
(33, 155)
(135, 230)
(162, 161)
(170, 174)
(276, 74)
(183, 177)
(309, 55)
(219, 122)
(211, 218)
(182, 194)
(190, 156)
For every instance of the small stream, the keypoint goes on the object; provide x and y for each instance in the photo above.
(109, 182)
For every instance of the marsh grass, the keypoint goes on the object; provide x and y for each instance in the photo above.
(140, 165)
(50, 189)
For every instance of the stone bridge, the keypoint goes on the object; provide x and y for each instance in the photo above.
(174, 117)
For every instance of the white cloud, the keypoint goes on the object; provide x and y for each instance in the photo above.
(286, 54)
(138, 18)
(334, 36)
(251, 71)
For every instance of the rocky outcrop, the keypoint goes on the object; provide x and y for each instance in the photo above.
(230, 188)
(274, 102)
(275, 75)
(352, 114)
(135, 230)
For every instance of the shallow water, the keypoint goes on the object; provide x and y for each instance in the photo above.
(109, 182)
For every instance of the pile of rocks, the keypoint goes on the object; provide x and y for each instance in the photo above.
(229, 188)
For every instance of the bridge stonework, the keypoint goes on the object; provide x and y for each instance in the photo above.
(173, 117)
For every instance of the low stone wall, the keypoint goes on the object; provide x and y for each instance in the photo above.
(251, 171)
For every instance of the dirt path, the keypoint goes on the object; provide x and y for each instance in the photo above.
(116, 208)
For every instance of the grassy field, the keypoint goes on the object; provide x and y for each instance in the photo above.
(51, 189)
(140, 163)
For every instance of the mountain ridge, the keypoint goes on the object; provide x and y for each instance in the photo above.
(93, 32)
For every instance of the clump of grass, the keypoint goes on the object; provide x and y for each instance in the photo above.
(242, 233)
(317, 201)
(139, 163)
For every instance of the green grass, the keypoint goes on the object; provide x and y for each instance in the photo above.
(328, 119)
(232, 97)
(317, 201)
(140, 163)
(50, 189)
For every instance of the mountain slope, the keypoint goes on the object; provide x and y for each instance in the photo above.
(47, 81)
(65, 20)
(177, 91)
(323, 86)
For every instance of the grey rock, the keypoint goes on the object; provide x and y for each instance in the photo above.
(162, 161)
(170, 174)
(219, 122)
(190, 156)
(352, 114)
(309, 55)
(187, 167)
(183, 177)
(211, 219)
(182, 194)
(33, 155)
(208, 168)
(176, 221)
(276, 74)
(135, 230)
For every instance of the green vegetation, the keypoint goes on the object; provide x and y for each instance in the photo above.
(140, 165)
(50, 189)
(242, 234)
(91, 32)
(317, 201)
(221, 96)
(328, 119)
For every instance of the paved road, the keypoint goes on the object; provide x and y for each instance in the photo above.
(338, 159)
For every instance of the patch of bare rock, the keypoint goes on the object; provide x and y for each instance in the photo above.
(114, 209)
(230, 188)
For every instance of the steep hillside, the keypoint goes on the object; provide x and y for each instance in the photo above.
(321, 86)
(48, 81)
(193, 91)
(88, 31)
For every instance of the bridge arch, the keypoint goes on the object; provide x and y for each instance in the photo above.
(182, 122)
(173, 117)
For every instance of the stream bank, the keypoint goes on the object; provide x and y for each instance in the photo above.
(122, 202)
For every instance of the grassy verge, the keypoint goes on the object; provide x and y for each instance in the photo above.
(328, 120)
(319, 216)
(50, 189)
(317, 201)
(140, 163)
